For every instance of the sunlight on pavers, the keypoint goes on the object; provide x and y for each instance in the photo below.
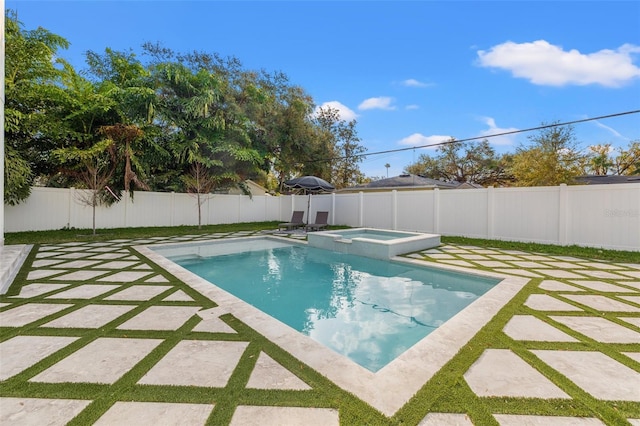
(36, 411)
(155, 413)
(21, 352)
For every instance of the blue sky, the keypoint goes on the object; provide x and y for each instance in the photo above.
(410, 72)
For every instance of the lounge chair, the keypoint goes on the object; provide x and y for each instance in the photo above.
(296, 221)
(320, 223)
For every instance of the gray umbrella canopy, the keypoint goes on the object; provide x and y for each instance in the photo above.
(310, 184)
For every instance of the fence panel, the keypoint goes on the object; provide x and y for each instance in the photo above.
(463, 212)
(527, 214)
(415, 211)
(604, 216)
(347, 209)
(378, 210)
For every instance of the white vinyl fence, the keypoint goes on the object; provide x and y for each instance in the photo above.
(605, 216)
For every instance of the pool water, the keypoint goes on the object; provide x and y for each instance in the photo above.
(368, 310)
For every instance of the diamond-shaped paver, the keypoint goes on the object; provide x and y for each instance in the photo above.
(124, 276)
(118, 264)
(268, 374)
(543, 302)
(45, 262)
(634, 299)
(449, 419)
(43, 273)
(196, 363)
(632, 320)
(602, 303)
(178, 296)
(76, 264)
(138, 292)
(521, 272)
(39, 411)
(246, 415)
(600, 265)
(599, 329)
(86, 291)
(558, 273)
(91, 316)
(520, 420)
(160, 318)
(155, 413)
(21, 352)
(104, 360)
(33, 290)
(500, 372)
(530, 328)
(80, 275)
(596, 373)
(157, 279)
(553, 285)
(603, 274)
(25, 314)
(601, 286)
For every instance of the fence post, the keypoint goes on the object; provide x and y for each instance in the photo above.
(490, 212)
(333, 208)
(394, 209)
(71, 195)
(361, 209)
(563, 217)
(436, 211)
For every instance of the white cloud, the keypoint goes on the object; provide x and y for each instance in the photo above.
(545, 64)
(610, 129)
(418, 139)
(412, 82)
(382, 102)
(494, 130)
(344, 111)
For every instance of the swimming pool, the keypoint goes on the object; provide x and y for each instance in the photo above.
(367, 310)
(389, 388)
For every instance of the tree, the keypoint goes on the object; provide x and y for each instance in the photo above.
(343, 151)
(33, 90)
(464, 162)
(199, 182)
(604, 160)
(92, 169)
(553, 158)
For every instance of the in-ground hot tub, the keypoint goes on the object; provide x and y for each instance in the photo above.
(370, 242)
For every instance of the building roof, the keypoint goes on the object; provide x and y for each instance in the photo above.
(404, 181)
(606, 179)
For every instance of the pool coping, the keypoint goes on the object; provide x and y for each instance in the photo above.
(394, 385)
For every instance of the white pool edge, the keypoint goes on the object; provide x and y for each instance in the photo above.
(391, 387)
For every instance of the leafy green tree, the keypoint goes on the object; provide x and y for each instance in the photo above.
(627, 161)
(552, 158)
(33, 90)
(339, 147)
(464, 162)
(604, 160)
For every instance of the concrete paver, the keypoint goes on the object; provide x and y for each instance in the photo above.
(85, 291)
(33, 290)
(522, 420)
(530, 328)
(268, 374)
(26, 314)
(138, 292)
(543, 302)
(92, 316)
(160, 318)
(196, 363)
(601, 286)
(553, 285)
(500, 372)
(104, 360)
(599, 329)
(448, 419)
(155, 413)
(602, 303)
(21, 352)
(596, 373)
(246, 415)
(39, 411)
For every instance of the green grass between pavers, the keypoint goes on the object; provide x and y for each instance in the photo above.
(447, 391)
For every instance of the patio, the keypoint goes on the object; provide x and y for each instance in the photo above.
(97, 333)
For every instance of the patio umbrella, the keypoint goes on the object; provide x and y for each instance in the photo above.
(310, 184)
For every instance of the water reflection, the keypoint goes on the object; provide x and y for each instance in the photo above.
(366, 309)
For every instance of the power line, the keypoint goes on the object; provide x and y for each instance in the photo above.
(531, 129)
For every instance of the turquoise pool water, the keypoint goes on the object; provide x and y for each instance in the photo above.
(366, 309)
(374, 234)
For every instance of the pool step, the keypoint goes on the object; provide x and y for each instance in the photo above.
(11, 259)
